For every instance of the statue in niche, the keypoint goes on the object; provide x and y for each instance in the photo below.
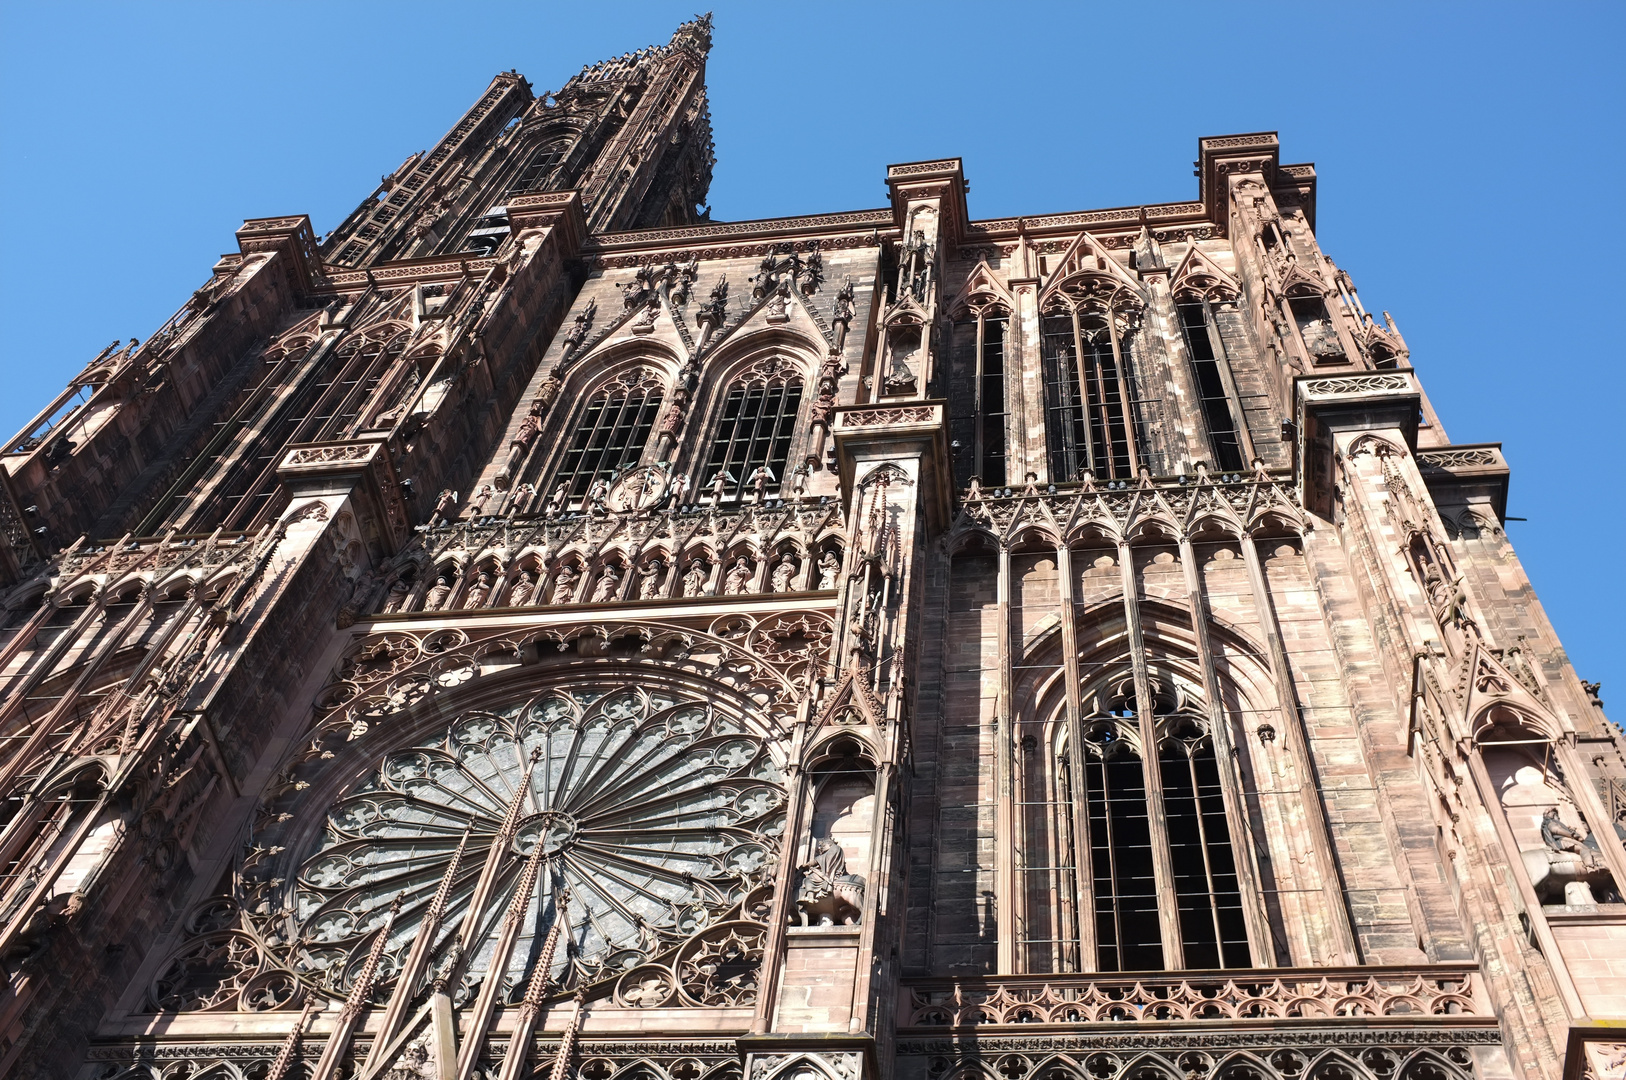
(608, 581)
(900, 375)
(1567, 866)
(397, 597)
(479, 591)
(523, 588)
(829, 570)
(783, 573)
(694, 579)
(649, 579)
(798, 481)
(438, 595)
(739, 577)
(828, 894)
(564, 585)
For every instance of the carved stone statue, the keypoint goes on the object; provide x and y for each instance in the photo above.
(564, 585)
(829, 570)
(397, 596)
(523, 588)
(598, 495)
(783, 573)
(739, 577)
(720, 485)
(828, 894)
(649, 579)
(694, 578)
(443, 505)
(798, 481)
(608, 580)
(759, 480)
(558, 500)
(478, 591)
(439, 593)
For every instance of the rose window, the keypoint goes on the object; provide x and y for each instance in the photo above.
(659, 815)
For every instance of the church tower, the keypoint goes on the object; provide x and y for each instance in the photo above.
(536, 630)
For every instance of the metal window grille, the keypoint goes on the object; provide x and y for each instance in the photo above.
(538, 169)
(610, 436)
(1211, 396)
(1065, 429)
(754, 430)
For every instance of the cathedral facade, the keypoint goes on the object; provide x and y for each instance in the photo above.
(537, 631)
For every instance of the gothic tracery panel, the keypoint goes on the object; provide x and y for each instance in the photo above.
(656, 812)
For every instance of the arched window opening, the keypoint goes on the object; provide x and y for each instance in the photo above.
(1213, 931)
(1123, 844)
(610, 436)
(539, 169)
(1093, 420)
(1122, 878)
(1205, 348)
(977, 398)
(1065, 429)
(751, 443)
(1320, 339)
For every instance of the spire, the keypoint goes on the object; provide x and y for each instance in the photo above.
(694, 35)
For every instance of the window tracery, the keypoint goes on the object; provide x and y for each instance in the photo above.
(609, 436)
(660, 813)
(977, 402)
(1119, 812)
(750, 443)
(1094, 420)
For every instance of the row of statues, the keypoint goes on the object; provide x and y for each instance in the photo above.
(569, 584)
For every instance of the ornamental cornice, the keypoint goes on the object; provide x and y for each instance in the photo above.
(611, 243)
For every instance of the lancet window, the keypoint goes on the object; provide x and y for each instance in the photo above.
(539, 168)
(610, 434)
(1093, 420)
(753, 433)
(977, 398)
(1130, 834)
(1212, 377)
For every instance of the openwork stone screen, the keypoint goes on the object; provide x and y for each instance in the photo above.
(658, 814)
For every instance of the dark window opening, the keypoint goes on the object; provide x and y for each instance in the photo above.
(1211, 396)
(977, 416)
(539, 169)
(1065, 431)
(609, 437)
(1128, 935)
(992, 401)
(1213, 933)
(754, 431)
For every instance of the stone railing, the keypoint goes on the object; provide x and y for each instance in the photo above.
(1462, 458)
(1414, 993)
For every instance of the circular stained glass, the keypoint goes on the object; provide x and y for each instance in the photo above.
(658, 814)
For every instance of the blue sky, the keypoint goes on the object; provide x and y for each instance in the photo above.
(1470, 158)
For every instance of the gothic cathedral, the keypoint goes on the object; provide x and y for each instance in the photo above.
(535, 630)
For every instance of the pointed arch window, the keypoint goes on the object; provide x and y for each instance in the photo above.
(1216, 396)
(1093, 420)
(610, 434)
(1137, 838)
(754, 430)
(539, 168)
(977, 408)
